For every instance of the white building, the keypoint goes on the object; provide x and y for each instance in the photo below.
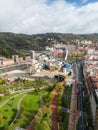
(90, 51)
(94, 108)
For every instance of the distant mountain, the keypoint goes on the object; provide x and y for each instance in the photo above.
(11, 43)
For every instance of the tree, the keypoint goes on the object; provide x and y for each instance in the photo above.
(59, 86)
(69, 73)
(39, 116)
(43, 119)
(2, 81)
(1, 117)
(6, 128)
(45, 125)
(1, 89)
(42, 126)
(0, 98)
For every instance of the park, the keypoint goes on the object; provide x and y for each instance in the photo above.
(27, 100)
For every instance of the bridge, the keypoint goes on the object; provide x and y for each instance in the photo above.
(14, 67)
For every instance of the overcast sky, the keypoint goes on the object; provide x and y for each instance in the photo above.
(42, 16)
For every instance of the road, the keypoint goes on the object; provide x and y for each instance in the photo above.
(81, 125)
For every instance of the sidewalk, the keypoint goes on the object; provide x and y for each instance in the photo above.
(73, 117)
(53, 107)
(31, 126)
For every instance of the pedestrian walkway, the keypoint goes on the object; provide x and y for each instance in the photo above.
(53, 107)
(31, 126)
(18, 109)
(73, 110)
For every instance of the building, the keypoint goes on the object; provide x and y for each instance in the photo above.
(94, 108)
(27, 58)
(90, 51)
(1, 61)
(92, 82)
(7, 61)
(66, 68)
(15, 58)
(70, 48)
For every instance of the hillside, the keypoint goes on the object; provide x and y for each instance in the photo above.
(11, 43)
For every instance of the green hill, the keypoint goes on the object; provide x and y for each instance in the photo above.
(11, 43)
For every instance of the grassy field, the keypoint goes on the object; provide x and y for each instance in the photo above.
(3, 98)
(68, 91)
(29, 107)
(8, 111)
(66, 103)
(65, 122)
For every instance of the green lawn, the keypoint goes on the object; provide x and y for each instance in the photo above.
(30, 106)
(65, 122)
(31, 101)
(68, 91)
(66, 104)
(8, 111)
(66, 101)
(3, 98)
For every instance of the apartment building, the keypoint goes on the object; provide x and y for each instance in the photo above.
(90, 70)
(92, 82)
(7, 61)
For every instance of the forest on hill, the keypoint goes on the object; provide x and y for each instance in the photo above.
(11, 43)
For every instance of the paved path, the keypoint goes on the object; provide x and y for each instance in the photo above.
(19, 92)
(6, 101)
(73, 111)
(41, 100)
(18, 109)
(73, 117)
(31, 126)
(53, 107)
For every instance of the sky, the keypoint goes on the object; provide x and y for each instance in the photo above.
(42, 16)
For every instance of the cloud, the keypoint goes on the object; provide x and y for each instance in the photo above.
(84, 1)
(32, 16)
